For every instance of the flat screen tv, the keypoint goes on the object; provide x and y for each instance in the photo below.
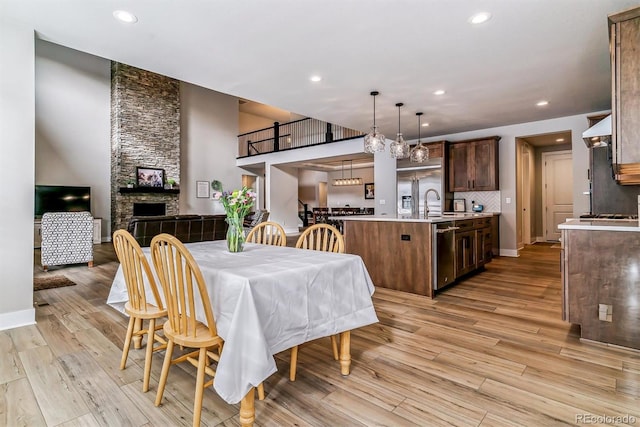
(57, 198)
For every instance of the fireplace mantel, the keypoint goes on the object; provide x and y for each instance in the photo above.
(124, 190)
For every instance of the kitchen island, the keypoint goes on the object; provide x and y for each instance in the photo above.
(420, 255)
(600, 263)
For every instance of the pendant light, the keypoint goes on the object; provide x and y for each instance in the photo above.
(347, 181)
(374, 140)
(399, 148)
(420, 152)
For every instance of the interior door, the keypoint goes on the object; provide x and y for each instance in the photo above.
(557, 191)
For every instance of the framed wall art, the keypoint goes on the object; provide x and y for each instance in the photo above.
(369, 190)
(150, 177)
(202, 189)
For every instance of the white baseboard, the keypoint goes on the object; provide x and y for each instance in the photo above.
(16, 319)
(509, 252)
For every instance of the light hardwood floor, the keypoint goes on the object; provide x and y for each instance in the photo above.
(490, 351)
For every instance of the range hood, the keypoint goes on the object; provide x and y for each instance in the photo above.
(598, 135)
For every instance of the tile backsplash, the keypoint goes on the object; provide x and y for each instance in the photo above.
(490, 199)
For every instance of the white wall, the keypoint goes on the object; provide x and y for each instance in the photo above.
(17, 105)
(282, 197)
(250, 122)
(73, 124)
(308, 181)
(208, 144)
(352, 195)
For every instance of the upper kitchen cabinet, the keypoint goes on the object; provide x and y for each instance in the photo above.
(473, 165)
(625, 63)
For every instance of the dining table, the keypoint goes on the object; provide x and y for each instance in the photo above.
(267, 299)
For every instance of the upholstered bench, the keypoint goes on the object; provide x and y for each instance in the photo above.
(187, 228)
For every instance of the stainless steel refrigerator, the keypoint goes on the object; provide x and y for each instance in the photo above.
(420, 185)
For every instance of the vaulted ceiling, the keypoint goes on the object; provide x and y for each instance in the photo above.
(493, 74)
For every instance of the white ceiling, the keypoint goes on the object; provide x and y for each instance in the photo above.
(265, 51)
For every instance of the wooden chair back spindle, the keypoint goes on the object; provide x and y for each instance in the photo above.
(268, 233)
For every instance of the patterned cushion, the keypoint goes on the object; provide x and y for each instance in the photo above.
(67, 238)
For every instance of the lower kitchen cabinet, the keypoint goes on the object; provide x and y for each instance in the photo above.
(465, 243)
(473, 244)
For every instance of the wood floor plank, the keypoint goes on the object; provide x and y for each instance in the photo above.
(10, 365)
(108, 404)
(87, 420)
(108, 356)
(18, 405)
(26, 338)
(439, 411)
(364, 411)
(555, 410)
(57, 336)
(57, 397)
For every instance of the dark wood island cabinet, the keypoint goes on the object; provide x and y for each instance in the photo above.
(402, 254)
(600, 266)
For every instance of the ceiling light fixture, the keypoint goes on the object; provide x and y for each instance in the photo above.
(124, 16)
(439, 92)
(542, 103)
(341, 182)
(480, 18)
(420, 152)
(399, 148)
(374, 140)
(315, 79)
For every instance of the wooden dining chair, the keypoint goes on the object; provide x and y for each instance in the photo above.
(136, 268)
(268, 233)
(184, 288)
(321, 237)
(318, 237)
(186, 294)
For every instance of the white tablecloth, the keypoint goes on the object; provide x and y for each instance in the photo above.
(267, 299)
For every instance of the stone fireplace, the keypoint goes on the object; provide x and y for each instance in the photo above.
(145, 132)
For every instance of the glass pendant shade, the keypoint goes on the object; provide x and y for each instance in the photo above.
(399, 149)
(420, 152)
(374, 141)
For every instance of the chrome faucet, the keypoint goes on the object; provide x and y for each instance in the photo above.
(426, 201)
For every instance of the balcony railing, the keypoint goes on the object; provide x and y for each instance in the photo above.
(291, 135)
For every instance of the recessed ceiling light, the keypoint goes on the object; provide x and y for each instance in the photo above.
(315, 79)
(126, 17)
(439, 92)
(479, 18)
(560, 140)
(542, 103)
(424, 125)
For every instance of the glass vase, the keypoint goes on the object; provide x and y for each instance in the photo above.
(235, 234)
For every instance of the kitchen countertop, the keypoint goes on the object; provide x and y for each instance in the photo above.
(446, 216)
(601, 224)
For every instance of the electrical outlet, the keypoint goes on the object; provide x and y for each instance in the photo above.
(383, 202)
(605, 312)
(507, 200)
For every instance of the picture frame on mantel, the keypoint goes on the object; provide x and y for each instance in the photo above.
(150, 177)
(202, 189)
(369, 190)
